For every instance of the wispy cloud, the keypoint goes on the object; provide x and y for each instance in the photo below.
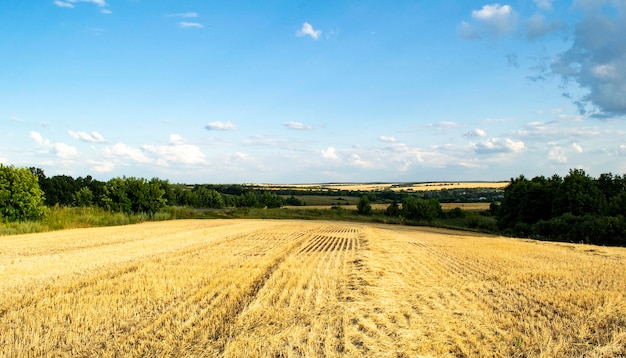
(190, 25)
(297, 126)
(308, 30)
(220, 126)
(93, 137)
(65, 4)
(184, 15)
(544, 4)
(537, 26)
(70, 4)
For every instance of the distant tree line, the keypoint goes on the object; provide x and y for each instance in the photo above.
(445, 195)
(24, 194)
(576, 208)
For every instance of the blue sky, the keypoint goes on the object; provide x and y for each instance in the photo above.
(313, 91)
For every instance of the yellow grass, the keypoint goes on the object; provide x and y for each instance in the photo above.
(389, 186)
(263, 288)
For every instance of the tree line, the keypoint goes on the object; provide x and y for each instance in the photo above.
(576, 208)
(25, 192)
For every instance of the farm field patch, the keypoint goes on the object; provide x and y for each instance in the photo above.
(388, 186)
(259, 288)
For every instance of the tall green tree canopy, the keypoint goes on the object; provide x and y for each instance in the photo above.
(20, 196)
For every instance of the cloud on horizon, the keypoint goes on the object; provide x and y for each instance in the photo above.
(177, 151)
(59, 149)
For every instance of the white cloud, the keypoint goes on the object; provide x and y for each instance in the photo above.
(357, 161)
(190, 25)
(307, 30)
(176, 152)
(16, 119)
(476, 133)
(297, 125)
(63, 4)
(493, 13)
(64, 151)
(94, 137)
(557, 155)
(499, 145)
(387, 139)
(501, 19)
(184, 15)
(103, 166)
(239, 157)
(61, 150)
(330, 153)
(220, 126)
(577, 148)
(123, 151)
(36, 136)
(491, 21)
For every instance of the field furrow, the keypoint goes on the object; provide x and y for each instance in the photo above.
(259, 288)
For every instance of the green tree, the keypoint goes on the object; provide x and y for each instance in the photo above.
(83, 197)
(271, 201)
(421, 209)
(579, 194)
(364, 207)
(393, 210)
(20, 195)
(134, 195)
(115, 198)
(209, 198)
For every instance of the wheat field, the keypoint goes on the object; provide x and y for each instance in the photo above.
(264, 288)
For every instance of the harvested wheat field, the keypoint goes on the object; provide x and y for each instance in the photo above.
(253, 288)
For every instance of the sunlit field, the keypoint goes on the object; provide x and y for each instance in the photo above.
(390, 186)
(264, 288)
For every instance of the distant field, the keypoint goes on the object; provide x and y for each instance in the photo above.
(264, 288)
(327, 204)
(390, 186)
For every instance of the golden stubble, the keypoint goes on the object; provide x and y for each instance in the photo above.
(259, 288)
